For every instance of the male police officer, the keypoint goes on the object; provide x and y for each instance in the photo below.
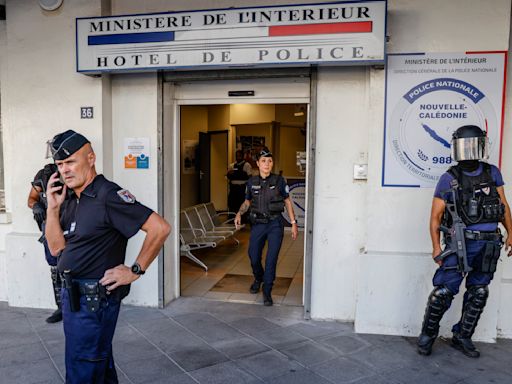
(37, 202)
(90, 241)
(266, 195)
(469, 202)
(238, 174)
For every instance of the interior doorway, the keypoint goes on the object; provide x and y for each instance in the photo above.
(215, 265)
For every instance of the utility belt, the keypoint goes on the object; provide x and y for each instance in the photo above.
(491, 252)
(262, 218)
(92, 290)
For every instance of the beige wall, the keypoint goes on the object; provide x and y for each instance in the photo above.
(252, 113)
(194, 119)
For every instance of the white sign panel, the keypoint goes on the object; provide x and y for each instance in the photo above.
(338, 32)
(136, 152)
(428, 96)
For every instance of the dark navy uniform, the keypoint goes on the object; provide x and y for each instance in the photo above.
(267, 225)
(96, 228)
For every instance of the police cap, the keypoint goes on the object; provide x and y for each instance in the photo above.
(265, 152)
(65, 144)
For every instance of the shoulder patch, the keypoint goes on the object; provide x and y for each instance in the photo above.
(126, 196)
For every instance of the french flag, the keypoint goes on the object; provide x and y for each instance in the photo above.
(234, 33)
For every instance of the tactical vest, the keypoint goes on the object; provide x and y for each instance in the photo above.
(267, 202)
(479, 201)
(238, 172)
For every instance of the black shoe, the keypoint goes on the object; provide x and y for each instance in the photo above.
(255, 287)
(425, 343)
(55, 317)
(267, 300)
(465, 345)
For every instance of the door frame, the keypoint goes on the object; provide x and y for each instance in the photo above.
(169, 137)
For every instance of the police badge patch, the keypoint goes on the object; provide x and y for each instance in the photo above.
(126, 196)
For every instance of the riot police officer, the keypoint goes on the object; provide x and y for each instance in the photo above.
(238, 174)
(469, 202)
(37, 202)
(266, 196)
(90, 237)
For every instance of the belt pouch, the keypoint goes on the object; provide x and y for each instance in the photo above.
(92, 295)
(490, 257)
(73, 291)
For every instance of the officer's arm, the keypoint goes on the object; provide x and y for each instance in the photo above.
(289, 208)
(507, 221)
(436, 214)
(33, 196)
(53, 231)
(243, 208)
(157, 230)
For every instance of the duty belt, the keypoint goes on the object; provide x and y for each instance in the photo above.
(482, 235)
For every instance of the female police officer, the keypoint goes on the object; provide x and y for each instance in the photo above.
(266, 195)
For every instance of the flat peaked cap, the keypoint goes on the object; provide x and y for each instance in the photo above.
(265, 152)
(66, 143)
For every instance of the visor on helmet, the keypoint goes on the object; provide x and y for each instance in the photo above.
(470, 148)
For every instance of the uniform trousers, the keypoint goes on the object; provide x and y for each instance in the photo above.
(260, 233)
(89, 337)
(451, 278)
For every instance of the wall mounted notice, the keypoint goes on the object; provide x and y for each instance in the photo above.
(301, 34)
(428, 96)
(136, 152)
(297, 189)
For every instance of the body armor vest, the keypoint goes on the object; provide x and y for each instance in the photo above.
(267, 201)
(238, 172)
(478, 198)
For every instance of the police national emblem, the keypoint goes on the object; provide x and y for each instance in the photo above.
(126, 196)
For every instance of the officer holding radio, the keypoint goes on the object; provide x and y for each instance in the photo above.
(37, 202)
(89, 237)
(469, 202)
(266, 196)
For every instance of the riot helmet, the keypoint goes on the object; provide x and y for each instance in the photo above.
(469, 142)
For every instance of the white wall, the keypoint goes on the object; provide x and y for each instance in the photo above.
(135, 114)
(395, 271)
(340, 203)
(41, 96)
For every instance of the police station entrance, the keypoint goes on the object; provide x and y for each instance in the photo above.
(222, 127)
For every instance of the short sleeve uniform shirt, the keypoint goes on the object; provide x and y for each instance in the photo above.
(97, 227)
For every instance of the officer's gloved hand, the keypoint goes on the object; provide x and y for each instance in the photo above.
(39, 212)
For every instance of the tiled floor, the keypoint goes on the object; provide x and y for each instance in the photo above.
(228, 258)
(201, 341)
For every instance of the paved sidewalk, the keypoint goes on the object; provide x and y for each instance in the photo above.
(196, 340)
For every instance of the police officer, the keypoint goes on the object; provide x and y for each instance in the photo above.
(266, 196)
(90, 241)
(37, 202)
(238, 174)
(481, 204)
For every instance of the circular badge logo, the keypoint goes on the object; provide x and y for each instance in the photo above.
(422, 123)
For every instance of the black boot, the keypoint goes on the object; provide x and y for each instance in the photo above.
(438, 303)
(255, 286)
(56, 316)
(267, 297)
(474, 303)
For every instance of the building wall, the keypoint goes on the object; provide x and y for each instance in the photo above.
(397, 253)
(371, 250)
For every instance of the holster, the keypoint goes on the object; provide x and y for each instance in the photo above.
(491, 256)
(73, 291)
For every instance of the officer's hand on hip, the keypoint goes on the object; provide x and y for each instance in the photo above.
(55, 195)
(115, 277)
(295, 231)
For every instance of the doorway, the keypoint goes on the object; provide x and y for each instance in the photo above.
(210, 131)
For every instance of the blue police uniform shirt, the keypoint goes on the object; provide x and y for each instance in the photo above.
(443, 185)
(284, 190)
(97, 227)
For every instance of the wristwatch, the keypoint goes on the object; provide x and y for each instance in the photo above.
(136, 268)
(293, 222)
